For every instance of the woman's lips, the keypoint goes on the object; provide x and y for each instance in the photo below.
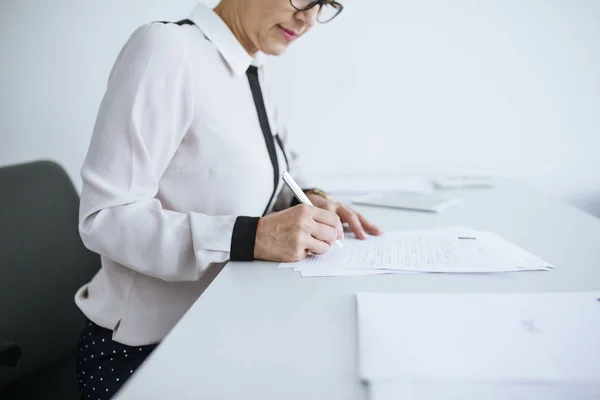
(287, 34)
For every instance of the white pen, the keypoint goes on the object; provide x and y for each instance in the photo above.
(300, 195)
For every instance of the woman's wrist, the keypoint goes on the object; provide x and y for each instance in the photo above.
(321, 193)
(316, 191)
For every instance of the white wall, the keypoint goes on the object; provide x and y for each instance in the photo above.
(503, 87)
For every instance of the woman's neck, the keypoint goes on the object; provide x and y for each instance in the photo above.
(230, 12)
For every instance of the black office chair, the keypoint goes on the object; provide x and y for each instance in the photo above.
(42, 264)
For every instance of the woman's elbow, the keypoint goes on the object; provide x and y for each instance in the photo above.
(87, 234)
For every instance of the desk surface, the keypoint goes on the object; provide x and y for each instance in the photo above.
(259, 332)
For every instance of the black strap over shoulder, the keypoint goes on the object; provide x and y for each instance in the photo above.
(182, 22)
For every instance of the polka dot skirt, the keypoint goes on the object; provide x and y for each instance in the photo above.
(104, 365)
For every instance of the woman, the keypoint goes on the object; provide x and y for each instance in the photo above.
(182, 174)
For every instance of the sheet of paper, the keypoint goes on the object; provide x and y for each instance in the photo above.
(541, 337)
(448, 250)
(510, 251)
(393, 250)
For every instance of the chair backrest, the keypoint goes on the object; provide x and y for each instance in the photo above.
(42, 263)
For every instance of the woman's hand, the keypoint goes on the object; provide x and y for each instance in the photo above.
(357, 223)
(291, 234)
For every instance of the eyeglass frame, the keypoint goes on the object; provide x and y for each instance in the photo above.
(320, 3)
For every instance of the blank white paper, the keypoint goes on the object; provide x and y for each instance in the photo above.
(461, 389)
(534, 337)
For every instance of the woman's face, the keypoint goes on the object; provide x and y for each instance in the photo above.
(274, 24)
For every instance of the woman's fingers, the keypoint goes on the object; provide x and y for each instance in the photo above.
(368, 226)
(324, 233)
(357, 222)
(317, 246)
(329, 218)
(351, 218)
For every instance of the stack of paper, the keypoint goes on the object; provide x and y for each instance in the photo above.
(446, 250)
(480, 346)
(409, 201)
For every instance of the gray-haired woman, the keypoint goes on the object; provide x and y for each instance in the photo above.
(182, 175)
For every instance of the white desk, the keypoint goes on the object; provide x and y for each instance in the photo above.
(259, 332)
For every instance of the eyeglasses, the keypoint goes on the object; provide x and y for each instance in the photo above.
(328, 9)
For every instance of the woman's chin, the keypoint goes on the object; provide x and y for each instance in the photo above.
(275, 49)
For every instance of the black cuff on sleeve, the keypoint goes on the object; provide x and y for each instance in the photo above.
(295, 201)
(242, 239)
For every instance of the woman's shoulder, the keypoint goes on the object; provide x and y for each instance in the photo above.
(155, 43)
(154, 35)
(153, 49)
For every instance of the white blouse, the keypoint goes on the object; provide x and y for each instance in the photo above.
(176, 161)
